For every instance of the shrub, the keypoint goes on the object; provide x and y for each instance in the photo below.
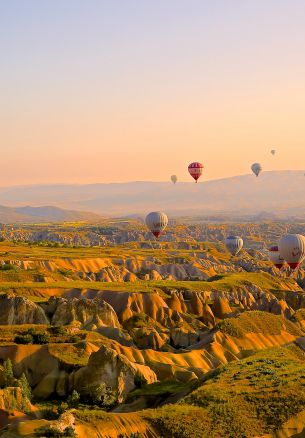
(23, 339)
(41, 338)
(7, 267)
(33, 336)
(51, 432)
(102, 395)
(73, 399)
(57, 330)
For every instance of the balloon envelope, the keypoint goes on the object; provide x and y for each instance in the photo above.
(195, 170)
(292, 249)
(256, 168)
(273, 151)
(234, 244)
(275, 257)
(156, 222)
(174, 178)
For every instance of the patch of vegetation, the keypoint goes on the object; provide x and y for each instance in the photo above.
(180, 421)
(257, 322)
(253, 396)
(102, 396)
(51, 432)
(72, 355)
(88, 415)
(166, 388)
(8, 267)
(32, 337)
(23, 339)
(73, 399)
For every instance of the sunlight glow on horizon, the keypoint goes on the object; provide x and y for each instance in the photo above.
(128, 91)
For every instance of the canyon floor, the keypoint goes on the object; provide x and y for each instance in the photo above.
(107, 334)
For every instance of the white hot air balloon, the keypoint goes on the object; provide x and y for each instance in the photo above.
(292, 249)
(273, 151)
(156, 222)
(256, 168)
(174, 179)
(234, 244)
(275, 257)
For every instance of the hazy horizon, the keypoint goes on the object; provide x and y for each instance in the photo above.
(123, 91)
(189, 180)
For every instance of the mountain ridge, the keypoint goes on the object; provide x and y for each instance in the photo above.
(277, 192)
(28, 214)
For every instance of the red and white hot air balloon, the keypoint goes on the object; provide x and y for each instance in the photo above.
(292, 249)
(275, 257)
(156, 222)
(195, 170)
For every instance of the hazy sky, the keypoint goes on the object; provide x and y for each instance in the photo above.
(119, 90)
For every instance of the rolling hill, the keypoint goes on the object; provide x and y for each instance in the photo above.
(29, 214)
(280, 193)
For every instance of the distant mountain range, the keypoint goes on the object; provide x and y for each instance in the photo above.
(44, 214)
(271, 194)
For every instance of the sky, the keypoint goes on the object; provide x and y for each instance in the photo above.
(124, 90)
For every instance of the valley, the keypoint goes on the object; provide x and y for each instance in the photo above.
(174, 339)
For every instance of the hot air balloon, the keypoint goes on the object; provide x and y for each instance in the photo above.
(195, 170)
(275, 257)
(273, 151)
(174, 178)
(234, 244)
(256, 168)
(292, 249)
(156, 221)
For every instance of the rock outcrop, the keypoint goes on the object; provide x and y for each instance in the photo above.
(19, 310)
(84, 313)
(113, 369)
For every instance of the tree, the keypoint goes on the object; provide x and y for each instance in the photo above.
(103, 395)
(9, 379)
(73, 399)
(25, 387)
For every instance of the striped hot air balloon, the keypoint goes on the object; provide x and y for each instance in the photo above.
(292, 249)
(156, 222)
(195, 170)
(234, 244)
(275, 257)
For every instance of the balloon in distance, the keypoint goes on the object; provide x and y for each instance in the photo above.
(195, 170)
(234, 244)
(256, 168)
(156, 222)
